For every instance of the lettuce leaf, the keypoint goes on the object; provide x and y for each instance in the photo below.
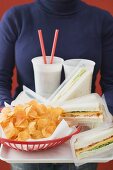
(101, 146)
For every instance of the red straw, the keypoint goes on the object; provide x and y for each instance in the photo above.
(42, 45)
(54, 46)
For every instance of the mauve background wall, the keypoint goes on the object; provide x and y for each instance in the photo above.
(105, 4)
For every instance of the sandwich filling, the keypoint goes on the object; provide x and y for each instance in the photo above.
(82, 113)
(95, 146)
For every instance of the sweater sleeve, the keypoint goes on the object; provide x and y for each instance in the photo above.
(8, 36)
(107, 61)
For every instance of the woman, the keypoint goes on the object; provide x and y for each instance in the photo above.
(85, 32)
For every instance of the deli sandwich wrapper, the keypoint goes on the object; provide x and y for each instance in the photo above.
(76, 85)
(93, 146)
(90, 111)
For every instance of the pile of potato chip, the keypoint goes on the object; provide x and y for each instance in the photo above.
(29, 121)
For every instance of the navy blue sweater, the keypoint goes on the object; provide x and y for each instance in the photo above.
(85, 32)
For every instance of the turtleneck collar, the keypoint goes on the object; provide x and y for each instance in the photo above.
(60, 7)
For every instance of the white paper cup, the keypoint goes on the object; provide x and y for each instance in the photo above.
(71, 64)
(47, 76)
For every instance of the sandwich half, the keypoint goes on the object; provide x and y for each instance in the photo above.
(94, 144)
(78, 84)
(84, 110)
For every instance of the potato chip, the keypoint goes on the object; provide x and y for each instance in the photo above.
(6, 110)
(43, 123)
(24, 135)
(28, 109)
(4, 120)
(48, 131)
(10, 131)
(22, 125)
(34, 104)
(3, 117)
(54, 112)
(42, 110)
(19, 108)
(30, 112)
(26, 105)
(37, 135)
(32, 127)
(20, 116)
(10, 114)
